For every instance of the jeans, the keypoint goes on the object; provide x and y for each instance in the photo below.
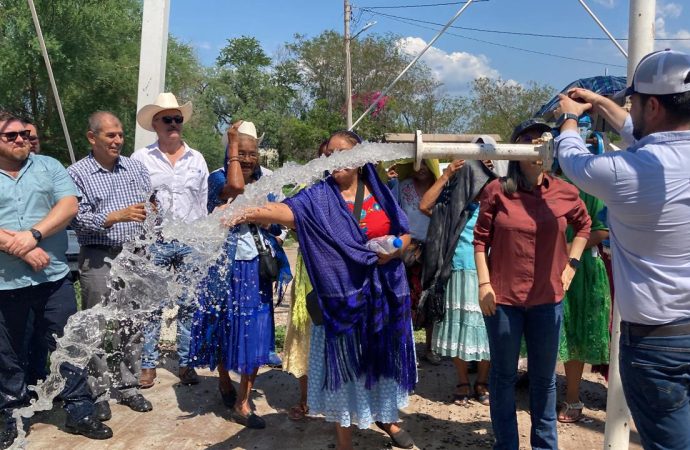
(655, 372)
(175, 256)
(541, 326)
(52, 304)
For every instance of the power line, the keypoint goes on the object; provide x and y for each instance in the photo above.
(513, 33)
(416, 6)
(411, 22)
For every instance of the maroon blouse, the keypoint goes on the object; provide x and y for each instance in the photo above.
(524, 235)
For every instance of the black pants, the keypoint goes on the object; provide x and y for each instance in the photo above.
(52, 303)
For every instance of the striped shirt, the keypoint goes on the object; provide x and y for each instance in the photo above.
(102, 192)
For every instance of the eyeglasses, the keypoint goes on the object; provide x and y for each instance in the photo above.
(11, 136)
(33, 138)
(245, 155)
(170, 119)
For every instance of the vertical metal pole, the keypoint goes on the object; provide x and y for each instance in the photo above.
(348, 64)
(617, 432)
(152, 59)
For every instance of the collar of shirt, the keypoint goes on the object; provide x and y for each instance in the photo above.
(663, 137)
(155, 149)
(25, 166)
(97, 167)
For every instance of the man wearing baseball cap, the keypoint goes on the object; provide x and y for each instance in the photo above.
(647, 191)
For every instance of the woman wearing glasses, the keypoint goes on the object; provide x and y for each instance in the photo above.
(233, 329)
(524, 267)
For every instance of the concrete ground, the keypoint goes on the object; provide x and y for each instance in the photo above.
(193, 417)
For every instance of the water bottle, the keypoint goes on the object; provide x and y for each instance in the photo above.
(384, 244)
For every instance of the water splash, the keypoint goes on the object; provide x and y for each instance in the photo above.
(141, 287)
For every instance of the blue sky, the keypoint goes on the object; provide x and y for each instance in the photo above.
(456, 58)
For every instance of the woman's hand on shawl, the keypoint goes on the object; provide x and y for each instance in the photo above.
(385, 258)
(487, 299)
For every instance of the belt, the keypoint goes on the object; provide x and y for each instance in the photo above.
(107, 248)
(665, 330)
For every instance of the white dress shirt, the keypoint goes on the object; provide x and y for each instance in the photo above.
(182, 190)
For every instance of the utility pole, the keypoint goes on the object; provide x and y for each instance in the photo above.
(152, 59)
(348, 64)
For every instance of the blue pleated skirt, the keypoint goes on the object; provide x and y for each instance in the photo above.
(233, 325)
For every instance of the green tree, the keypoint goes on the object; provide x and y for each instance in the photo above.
(496, 106)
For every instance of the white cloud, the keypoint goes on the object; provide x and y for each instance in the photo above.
(664, 12)
(203, 45)
(455, 70)
(607, 3)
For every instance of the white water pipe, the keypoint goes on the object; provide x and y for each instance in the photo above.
(542, 149)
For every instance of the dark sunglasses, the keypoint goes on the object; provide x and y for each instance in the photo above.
(170, 119)
(11, 136)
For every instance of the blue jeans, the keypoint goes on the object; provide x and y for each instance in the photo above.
(655, 372)
(175, 256)
(541, 326)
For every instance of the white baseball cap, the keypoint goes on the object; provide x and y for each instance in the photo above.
(664, 72)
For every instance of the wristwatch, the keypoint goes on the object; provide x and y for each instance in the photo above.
(36, 234)
(565, 116)
(574, 263)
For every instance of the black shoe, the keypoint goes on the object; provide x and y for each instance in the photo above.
(229, 398)
(137, 403)
(251, 420)
(102, 411)
(401, 439)
(8, 436)
(89, 427)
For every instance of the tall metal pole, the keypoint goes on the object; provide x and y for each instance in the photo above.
(617, 432)
(348, 64)
(412, 63)
(152, 59)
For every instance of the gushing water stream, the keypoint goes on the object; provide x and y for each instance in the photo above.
(141, 287)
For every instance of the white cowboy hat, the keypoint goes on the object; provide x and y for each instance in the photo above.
(165, 100)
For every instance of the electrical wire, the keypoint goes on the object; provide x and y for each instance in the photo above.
(417, 6)
(513, 33)
(570, 58)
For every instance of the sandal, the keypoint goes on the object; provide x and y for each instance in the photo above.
(482, 396)
(565, 415)
(298, 412)
(462, 399)
(401, 439)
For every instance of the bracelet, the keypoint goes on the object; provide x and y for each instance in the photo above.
(482, 284)
(234, 158)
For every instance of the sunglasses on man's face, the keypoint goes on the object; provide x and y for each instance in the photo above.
(170, 119)
(11, 136)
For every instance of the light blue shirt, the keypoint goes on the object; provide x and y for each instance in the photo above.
(647, 191)
(25, 201)
(463, 258)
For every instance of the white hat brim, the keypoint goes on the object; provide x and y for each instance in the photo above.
(146, 114)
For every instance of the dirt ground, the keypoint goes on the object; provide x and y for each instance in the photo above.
(193, 417)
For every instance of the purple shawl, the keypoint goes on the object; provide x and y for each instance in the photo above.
(366, 306)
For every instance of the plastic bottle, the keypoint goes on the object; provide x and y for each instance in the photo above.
(384, 244)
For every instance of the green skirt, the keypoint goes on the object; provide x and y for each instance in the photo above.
(462, 333)
(587, 314)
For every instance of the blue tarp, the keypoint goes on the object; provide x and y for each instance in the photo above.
(604, 85)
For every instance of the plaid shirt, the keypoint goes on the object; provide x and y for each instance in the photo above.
(102, 192)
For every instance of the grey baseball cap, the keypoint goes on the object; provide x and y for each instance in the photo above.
(664, 72)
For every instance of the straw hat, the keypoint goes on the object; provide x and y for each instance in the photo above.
(165, 100)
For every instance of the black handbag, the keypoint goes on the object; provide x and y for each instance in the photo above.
(268, 264)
